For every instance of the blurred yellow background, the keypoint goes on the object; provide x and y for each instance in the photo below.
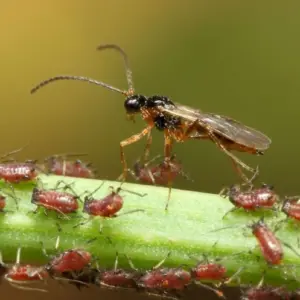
(237, 58)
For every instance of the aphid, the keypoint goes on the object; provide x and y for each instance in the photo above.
(269, 244)
(263, 197)
(291, 207)
(266, 293)
(179, 123)
(158, 174)
(106, 207)
(18, 172)
(19, 275)
(60, 165)
(61, 202)
(209, 271)
(116, 277)
(165, 279)
(72, 260)
(169, 279)
(261, 292)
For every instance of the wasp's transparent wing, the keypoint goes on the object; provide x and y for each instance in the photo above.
(222, 125)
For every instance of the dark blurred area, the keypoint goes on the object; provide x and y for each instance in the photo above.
(235, 58)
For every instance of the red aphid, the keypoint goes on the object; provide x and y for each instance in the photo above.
(117, 278)
(263, 197)
(291, 207)
(61, 202)
(270, 246)
(266, 293)
(19, 273)
(72, 168)
(160, 174)
(209, 271)
(165, 279)
(74, 260)
(106, 207)
(18, 172)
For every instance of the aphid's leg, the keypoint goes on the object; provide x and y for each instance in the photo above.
(229, 211)
(130, 262)
(90, 194)
(167, 160)
(46, 207)
(129, 212)
(70, 280)
(278, 224)
(82, 223)
(162, 261)
(216, 291)
(233, 276)
(67, 186)
(164, 295)
(31, 161)
(290, 247)
(224, 192)
(17, 285)
(14, 197)
(133, 139)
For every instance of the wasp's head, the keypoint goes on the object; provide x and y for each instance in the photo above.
(134, 103)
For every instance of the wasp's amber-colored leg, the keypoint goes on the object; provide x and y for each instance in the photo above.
(147, 148)
(236, 161)
(134, 138)
(168, 155)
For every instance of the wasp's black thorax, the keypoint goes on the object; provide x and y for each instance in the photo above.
(133, 104)
(162, 120)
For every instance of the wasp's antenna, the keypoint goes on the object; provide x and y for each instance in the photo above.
(126, 61)
(79, 78)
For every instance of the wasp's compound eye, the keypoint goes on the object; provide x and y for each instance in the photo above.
(133, 104)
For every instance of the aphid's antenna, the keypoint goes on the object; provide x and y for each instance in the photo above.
(79, 78)
(126, 62)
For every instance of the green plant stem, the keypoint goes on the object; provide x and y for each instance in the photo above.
(186, 230)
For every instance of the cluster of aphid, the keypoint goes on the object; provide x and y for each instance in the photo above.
(77, 266)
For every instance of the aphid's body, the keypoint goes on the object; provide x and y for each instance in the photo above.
(18, 172)
(266, 293)
(106, 207)
(270, 246)
(180, 123)
(117, 278)
(61, 202)
(263, 197)
(165, 279)
(209, 271)
(158, 174)
(72, 168)
(22, 273)
(74, 260)
(291, 207)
